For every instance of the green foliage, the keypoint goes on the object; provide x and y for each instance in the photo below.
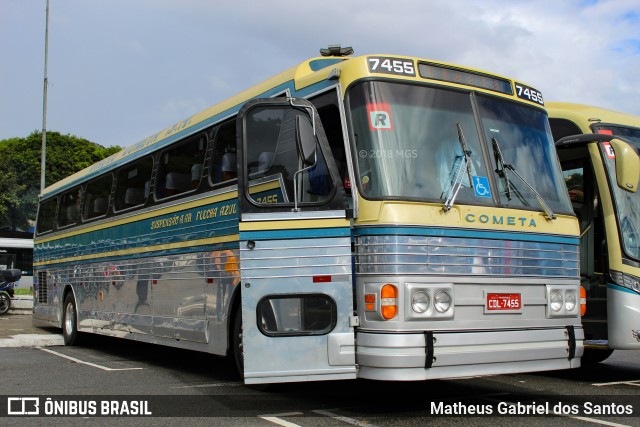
(20, 171)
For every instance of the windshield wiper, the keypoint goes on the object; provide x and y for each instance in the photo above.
(500, 167)
(457, 182)
(501, 170)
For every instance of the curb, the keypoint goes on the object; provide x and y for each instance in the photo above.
(21, 304)
(32, 340)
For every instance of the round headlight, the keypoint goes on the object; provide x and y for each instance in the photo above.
(555, 300)
(442, 302)
(420, 302)
(570, 300)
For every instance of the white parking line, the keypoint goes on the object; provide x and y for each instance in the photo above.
(343, 419)
(104, 368)
(232, 384)
(631, 382)
(279, 421)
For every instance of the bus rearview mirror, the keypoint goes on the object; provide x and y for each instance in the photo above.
(627, 165)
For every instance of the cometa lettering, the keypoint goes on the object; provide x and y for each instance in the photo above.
(501, 220)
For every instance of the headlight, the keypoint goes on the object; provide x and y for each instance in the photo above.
(570, 300)
(428, 301)
(556, 300)
(563, 301)
(420, 302)
(442, 302)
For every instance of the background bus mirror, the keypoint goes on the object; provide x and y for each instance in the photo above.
(306, 139)
(627, 165)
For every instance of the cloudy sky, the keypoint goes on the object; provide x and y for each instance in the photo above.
(122, 70)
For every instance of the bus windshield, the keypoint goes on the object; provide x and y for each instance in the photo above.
(416, 142)
(627, 204)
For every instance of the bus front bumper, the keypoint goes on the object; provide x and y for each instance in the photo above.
(410, 357)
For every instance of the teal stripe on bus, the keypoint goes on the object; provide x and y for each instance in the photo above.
(213, 220)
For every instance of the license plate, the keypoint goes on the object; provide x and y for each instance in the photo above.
(499, 302)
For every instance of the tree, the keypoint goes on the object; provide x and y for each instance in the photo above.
(20, 171)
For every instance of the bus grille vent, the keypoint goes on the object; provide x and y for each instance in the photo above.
(42, 286)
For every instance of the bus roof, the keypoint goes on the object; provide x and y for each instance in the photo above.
(305, 78)
(584, 115)
(13, 242)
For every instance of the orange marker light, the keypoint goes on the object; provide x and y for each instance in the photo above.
(583, 301)
(389, 301)
(370, 302)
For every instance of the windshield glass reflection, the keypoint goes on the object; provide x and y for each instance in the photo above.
(408, 146)
(407, 142)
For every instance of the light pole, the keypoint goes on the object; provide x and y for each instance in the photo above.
(44, 103)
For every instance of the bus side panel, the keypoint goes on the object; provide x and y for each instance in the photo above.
(183, 297)
(624, 318)
(278, 276)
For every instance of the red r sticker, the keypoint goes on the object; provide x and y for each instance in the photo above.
(379, 117)
(608, 150)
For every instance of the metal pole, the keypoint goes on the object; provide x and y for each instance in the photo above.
(44, 104)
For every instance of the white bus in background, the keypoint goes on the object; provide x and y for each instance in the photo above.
(16, 251)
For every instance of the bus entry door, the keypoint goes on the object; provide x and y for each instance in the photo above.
(295, 247)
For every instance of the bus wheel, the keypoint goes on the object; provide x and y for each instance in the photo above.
(238, 351)
(236, 342)
(70, 320)
(591, 356)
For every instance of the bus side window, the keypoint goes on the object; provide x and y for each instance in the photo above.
(46, 215)
(132, 184)
(330, 117)
(224, 161)
(97, 197)
(180, 167)
(70, 207)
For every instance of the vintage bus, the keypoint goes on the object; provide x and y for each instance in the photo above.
(607, 205)
(381, 217)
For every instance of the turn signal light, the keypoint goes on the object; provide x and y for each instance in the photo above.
(370, 302)
(583, 301)
(389, 301)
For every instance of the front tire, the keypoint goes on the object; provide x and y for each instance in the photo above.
(70, 320)
(591, 356)
(5, 303)
(238, 351)
(236, 341)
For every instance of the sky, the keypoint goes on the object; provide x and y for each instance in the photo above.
(122, 70)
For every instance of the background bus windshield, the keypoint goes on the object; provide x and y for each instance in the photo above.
(627, 204)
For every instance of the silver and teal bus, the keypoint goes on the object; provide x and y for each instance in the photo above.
(380, 216)
(601, 168)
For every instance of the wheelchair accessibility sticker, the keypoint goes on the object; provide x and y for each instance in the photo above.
(481, 186)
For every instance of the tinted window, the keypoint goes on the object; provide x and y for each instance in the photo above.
(224, 161)
(47, 215)
(134, 184)
(69, 208)
(97, 197)
(180, 167)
